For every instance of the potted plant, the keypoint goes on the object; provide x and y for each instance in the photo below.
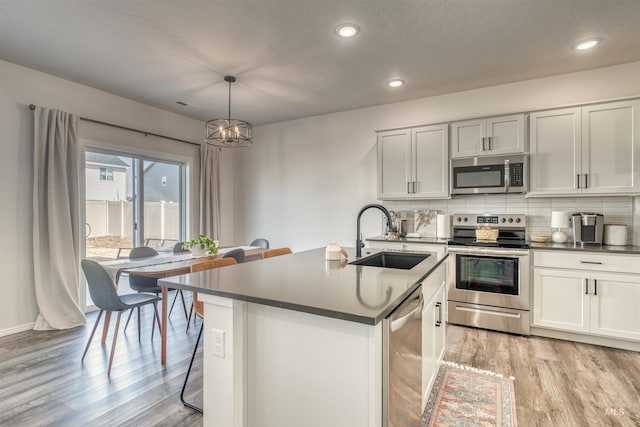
(201, 243)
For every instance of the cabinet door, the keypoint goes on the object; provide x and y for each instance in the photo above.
(467, 138)
(440, 331)
(560, 299)
(507, 133)
(614, 305)
(394, 154)
(431, 161)
(555, 147)
(610, 147)
(429, 363)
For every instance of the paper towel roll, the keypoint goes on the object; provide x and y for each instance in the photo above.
(443, 226)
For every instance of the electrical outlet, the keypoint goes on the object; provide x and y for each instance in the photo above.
(218, 343)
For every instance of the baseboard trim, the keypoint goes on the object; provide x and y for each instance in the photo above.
(16, 329)
(586, 339)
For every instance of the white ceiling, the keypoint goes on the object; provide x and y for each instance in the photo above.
(288, 61)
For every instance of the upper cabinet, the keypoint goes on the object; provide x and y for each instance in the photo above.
(592, 149)
(413, 163)
(490, 136)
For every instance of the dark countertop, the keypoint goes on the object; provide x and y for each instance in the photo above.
(628, 250)
(306, 282)
(427, 240)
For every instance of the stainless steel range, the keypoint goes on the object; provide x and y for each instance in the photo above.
(488, 285)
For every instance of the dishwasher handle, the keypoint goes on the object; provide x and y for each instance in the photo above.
(416, 313)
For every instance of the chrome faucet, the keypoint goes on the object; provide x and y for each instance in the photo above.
(359, 244)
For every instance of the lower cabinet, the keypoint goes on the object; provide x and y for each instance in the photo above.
(433, 330)
(587, 301)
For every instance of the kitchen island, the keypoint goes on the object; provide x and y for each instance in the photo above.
(297, 340)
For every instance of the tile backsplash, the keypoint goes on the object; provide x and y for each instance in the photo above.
(616, 210)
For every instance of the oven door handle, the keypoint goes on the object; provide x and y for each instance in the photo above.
(509, 253)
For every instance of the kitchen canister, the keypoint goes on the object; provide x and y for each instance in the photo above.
(615, 234)
(443, 226)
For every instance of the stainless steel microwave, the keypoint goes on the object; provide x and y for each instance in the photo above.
(489, 175)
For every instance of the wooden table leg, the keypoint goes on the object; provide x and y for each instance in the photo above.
(164, 325)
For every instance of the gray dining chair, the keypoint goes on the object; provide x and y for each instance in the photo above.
(148, 284)
(261, 243)
(237, 254)
(105, 296)
(177, 248)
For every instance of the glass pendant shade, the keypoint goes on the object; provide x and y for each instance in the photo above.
(229, 132)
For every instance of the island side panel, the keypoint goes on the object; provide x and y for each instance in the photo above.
(310, 370)
(224, 378)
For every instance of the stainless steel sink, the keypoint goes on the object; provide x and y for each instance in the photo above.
(392, 260)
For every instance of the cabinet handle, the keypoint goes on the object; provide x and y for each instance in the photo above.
(586, 286)
(586, 180)
(408, 188)
(484, 144)
(578, 180)
(415, 186)
(490, 141)
(591, 262)
(439, 321)
(595, 287)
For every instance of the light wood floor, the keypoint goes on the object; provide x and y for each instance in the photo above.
(557, 383)
(42, 381)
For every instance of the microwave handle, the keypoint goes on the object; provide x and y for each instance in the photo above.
(507, 176)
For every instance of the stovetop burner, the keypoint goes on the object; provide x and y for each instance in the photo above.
(511, 230)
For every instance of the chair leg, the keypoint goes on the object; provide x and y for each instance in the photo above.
(139, 326)
(184, 305)
(91, 336)
(189, 318)
(128, 319)
(186, 378)
(175, 297)
(113, 345)
(156, 319)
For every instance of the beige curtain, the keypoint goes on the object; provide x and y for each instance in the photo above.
(56, 239)
(210, 191)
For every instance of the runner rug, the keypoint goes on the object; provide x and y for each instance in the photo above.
(466, 396)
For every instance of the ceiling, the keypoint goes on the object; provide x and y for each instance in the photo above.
(287, 59)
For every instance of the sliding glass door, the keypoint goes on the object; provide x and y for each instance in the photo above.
(131, 201)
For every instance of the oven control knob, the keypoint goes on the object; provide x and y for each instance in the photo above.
(466, 219)
(517, 220)
(459, 219)
(510, 220)
(503, 219)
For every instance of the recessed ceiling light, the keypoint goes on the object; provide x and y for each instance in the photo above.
(347, 30)
(586, 44)
(395, 83)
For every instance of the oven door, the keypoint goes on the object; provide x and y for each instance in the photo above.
(495, 277)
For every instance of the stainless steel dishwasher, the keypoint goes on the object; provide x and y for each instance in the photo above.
(402, 363)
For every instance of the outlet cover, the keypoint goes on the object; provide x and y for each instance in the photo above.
(218, 342)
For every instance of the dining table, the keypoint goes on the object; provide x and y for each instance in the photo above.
(162, 266)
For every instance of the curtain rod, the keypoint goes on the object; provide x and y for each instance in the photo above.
(32, 107)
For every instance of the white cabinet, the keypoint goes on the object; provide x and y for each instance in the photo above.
(490, 136)
(413, 163)
(433, 328)
(585, 150)
(596, 294)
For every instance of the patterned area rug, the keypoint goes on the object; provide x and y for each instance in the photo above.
(465, 396)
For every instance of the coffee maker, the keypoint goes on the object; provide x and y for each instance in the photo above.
(588, 228)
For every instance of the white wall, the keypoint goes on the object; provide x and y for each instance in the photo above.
(20, 87)
(303, 182)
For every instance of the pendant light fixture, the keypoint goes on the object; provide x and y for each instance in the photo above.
(229, 133)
